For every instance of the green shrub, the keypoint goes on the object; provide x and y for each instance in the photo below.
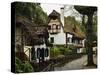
(71, 49)
(66, 50)
(26, 67)
(18, 64)
(61, 50)
(22, 67)
(54, 52)
(84, 50)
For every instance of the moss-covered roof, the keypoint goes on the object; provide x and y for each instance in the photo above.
(23, 20)
(73, 27)
(32, 29)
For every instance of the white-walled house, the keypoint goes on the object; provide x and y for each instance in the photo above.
(55, 29)
(62, 31)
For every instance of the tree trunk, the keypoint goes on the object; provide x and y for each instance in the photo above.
(89, 40)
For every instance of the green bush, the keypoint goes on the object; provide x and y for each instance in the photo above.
(65, 50)
(54, 52)
(18, 64)
(68, 51)
(84, 50)
(61, 50)
(22, 67)
(71, 48)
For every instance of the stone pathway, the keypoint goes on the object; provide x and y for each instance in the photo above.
(75, 64)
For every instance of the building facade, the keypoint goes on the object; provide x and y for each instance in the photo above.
(55, 29)
(62, 31)
(31, 41)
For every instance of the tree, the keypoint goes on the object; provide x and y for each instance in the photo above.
(89, 11)
(84, 24)
(32, 11)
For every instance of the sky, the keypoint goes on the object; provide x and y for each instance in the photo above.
(68, 10)
(48, 8)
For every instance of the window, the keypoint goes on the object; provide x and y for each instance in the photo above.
(52, 39)
(49, 27)
(38, 53)
(58, 27)
(73, 40)
(54, 26)
(68, 39)
(46, 52)
(42, 54)
(80, 41)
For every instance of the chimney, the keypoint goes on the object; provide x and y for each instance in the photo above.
(62, 16)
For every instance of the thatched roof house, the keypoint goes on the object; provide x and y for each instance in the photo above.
(54, 18)
(70, 24)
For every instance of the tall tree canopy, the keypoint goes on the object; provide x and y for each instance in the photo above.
(32, 11)
(84, 24)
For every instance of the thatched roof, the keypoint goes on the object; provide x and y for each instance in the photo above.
(23, 20)
(26, 24)
(73, 27)
(54, 13)
(33, 30)
(54, 17)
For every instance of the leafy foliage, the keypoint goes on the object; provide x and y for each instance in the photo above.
(22, 67)
(95, 27)
(84, 24)
(56, 51)
(32, 11)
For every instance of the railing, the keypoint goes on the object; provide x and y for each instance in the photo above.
(53, 31)
(78, 45)
(74, 44)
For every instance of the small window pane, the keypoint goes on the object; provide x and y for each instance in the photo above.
(52, 39)
(38, 53)
(46, 52)
(49, 27)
